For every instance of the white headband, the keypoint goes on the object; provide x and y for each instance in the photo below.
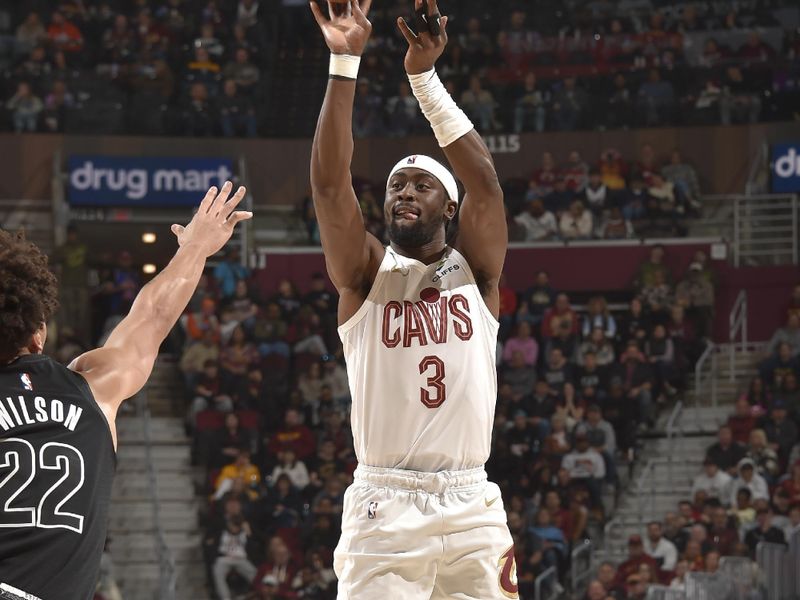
(434, 167)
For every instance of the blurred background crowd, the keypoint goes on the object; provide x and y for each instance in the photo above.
(203, 68)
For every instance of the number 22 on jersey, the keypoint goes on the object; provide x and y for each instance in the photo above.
(22, 465)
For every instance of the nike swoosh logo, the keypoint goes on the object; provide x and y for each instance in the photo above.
(490, 502)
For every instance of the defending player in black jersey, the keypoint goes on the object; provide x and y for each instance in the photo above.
(57, 432)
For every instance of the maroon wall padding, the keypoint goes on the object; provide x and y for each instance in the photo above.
(600, 269)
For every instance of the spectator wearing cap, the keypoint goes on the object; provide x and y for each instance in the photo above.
(586, 466)
(275, 574)
(602, 438)
(697, 292)
(232, 550)
(781, 431)
(660, 548)
(636, 557)
(764, 531)
(750, 479)
(726, 453)
(537, 224)
(713, 481)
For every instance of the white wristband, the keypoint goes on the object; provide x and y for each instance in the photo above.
(344, 65)
(448, 121)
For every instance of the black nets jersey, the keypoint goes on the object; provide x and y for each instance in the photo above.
(57, 464)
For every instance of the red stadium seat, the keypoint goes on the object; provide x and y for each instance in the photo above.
(207, 420)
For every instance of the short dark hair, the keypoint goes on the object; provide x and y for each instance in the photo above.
(28, 292)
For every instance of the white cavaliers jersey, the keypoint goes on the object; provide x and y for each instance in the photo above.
(420, 358)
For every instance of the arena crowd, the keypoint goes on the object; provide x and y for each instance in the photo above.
(204, 67)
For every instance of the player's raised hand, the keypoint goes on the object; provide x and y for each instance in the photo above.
(213, 224)
(347, 28)
(427, 45)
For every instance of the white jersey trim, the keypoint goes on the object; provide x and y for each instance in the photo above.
(365, 306)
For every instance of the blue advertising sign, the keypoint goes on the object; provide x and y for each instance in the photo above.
(133, 181)
(785, 168)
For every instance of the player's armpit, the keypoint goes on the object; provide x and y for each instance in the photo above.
(482, 229)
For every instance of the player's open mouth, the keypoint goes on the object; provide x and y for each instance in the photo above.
(406, 213)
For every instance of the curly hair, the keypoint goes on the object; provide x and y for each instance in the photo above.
(28, 292)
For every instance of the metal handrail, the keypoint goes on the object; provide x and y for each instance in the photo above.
(705, 357)
(757, 232)
(737, 327)
(551, 573)
(577, 577)
(674, 430)
(646, 476)
(166, 562)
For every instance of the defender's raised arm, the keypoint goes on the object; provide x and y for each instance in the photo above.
(352, 255)
(483, 234)
(121, 367)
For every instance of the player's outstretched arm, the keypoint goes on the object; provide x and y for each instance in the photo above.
(121, 367)
(483, 233)
(352, 255)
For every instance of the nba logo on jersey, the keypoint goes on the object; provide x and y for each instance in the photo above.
(372, 510)
(26, 381)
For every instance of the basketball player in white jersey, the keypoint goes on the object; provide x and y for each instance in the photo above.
(418, 321)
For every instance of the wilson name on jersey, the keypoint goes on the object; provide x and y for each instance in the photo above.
(420, 357)
(57, 464)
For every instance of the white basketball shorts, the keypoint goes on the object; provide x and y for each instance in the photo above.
(424, 536)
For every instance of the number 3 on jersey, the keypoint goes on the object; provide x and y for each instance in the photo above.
(18, 461)
(436, 393)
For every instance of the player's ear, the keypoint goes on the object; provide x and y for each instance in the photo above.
(451, 209)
